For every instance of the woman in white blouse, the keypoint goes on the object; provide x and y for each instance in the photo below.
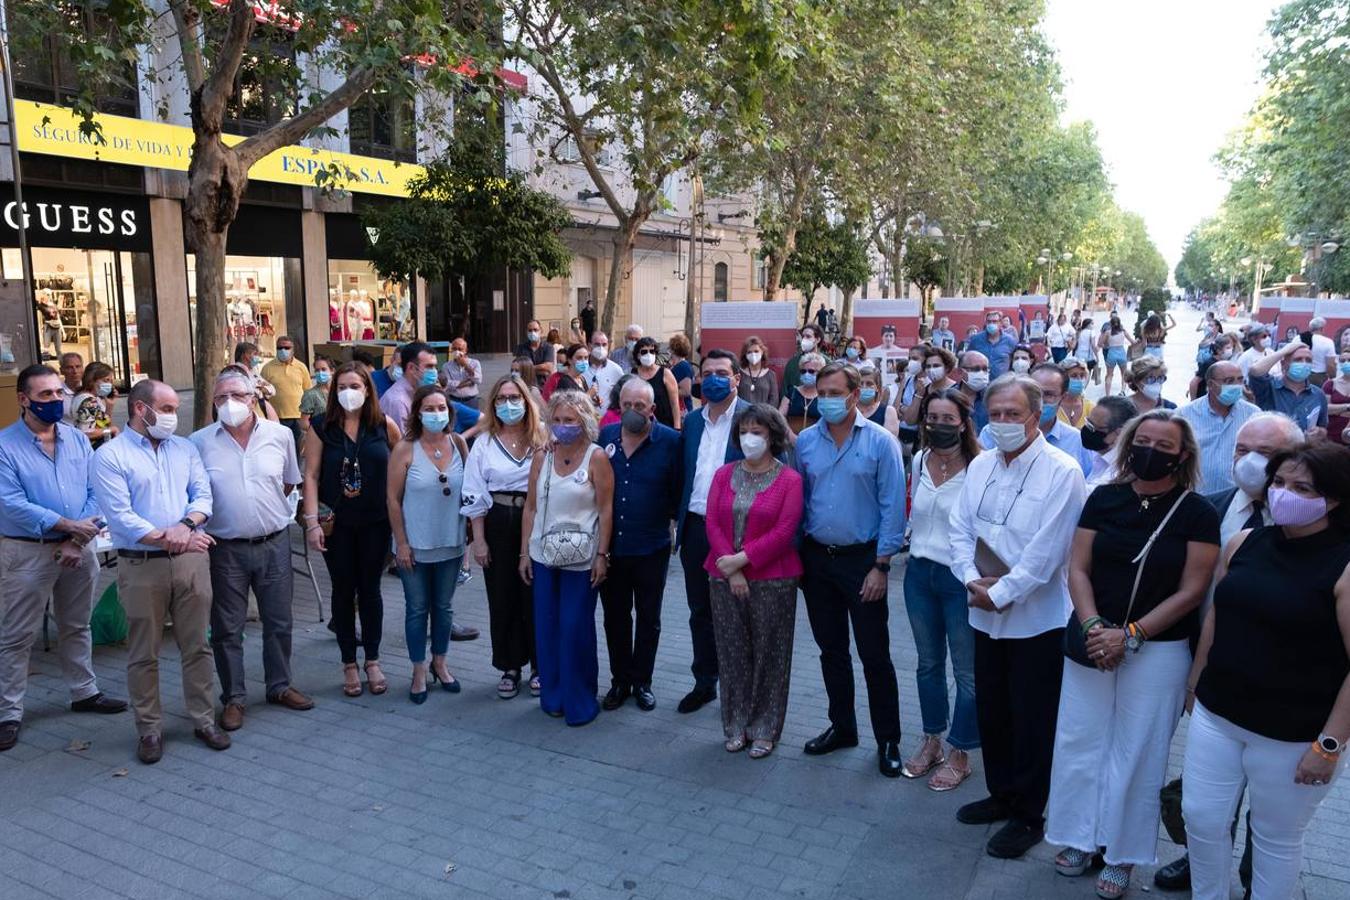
(935, 598)
(496, 479)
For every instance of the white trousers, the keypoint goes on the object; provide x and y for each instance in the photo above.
(1220, 758)
(1111, 749)
(30, 576)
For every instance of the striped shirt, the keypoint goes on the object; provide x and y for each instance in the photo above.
(1217, 437)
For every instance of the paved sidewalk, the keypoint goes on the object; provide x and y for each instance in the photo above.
(468, 796)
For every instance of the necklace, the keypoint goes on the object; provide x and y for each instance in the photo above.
(943, 461)
(1146, 499)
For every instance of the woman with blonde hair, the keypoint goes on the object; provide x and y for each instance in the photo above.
(799, 406)
(1146, 378)
(496, 479)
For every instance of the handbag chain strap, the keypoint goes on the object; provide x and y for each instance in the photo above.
(1142, 558)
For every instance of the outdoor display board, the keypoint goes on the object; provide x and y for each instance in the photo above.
(1337, 314)
(963, 313)
(890, 327)
(775, 323)
(1282, 313)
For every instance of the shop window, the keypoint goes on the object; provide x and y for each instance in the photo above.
(364, 307)
(259, 292)
(383, 123)
(44, 70)
(721, 277)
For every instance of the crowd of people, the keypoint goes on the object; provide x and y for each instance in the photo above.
(1090, 571)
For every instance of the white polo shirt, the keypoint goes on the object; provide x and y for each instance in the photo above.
(248, 484)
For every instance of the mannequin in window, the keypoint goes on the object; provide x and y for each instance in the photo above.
(337, 330)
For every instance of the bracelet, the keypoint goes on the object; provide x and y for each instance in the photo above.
(1329, 757)
(1139, 629)
(313, 528)
(310, 518)
(1092, 622)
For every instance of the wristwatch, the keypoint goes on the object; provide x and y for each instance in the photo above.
(883, 567)
(1134, 637)
(1329, 745)
(188, 521)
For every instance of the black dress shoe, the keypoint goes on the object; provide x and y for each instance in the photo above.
(618, 693)
(697, 699)
(1014, 839)
(9, 734)
(99, 703)
(1175, 876)
(888, 758)
(646, 700)
(983, 812)
(830, 740)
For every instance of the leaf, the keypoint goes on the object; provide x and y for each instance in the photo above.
(77, 746)
(119, 773)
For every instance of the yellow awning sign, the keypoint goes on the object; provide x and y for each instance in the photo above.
(55, 130)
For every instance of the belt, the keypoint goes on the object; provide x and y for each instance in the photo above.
(509, 498)
(250, 540)
(869, 547)
(143, 554)
(41, 540)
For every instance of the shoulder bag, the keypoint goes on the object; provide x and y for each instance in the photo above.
(564, 544)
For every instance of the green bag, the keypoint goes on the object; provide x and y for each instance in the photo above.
(109, 621)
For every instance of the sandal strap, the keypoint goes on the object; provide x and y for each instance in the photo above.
(1071, 856)
(1116, 876)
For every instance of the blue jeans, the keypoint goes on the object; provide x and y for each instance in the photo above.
(940, 619)
(564, 629)
(428, 589)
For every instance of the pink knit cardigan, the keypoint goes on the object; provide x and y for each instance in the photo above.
(770, 528)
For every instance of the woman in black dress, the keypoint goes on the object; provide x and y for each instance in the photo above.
(664, 386)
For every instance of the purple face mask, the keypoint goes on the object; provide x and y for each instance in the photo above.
(1294, 510)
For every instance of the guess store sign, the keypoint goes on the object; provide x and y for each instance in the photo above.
(76, 219)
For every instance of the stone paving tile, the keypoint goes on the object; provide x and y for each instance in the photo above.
(471, 797)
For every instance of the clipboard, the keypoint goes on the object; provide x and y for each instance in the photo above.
(988, 563)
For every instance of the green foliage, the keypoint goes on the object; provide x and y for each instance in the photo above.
(825, 254)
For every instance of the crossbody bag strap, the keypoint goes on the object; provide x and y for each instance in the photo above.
(1142, 559)
(548, 486)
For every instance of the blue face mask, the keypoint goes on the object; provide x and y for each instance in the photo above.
(867, 395)
(430, 377)
(323, 377)
(851, 352)
(1299, 371)
(105, 388)
(436, 422)
(566, 434)
(808, 379)
(991, 328)
(1230, 394)
(582, 365)
(49, 411)
(1076, 386)
(1344, 369)
(716, 388)
(398, 373)
(833, 409)
(1048, 413)
(510, 411)
(284, 354)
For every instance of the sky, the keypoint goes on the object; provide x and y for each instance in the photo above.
(1165, 82)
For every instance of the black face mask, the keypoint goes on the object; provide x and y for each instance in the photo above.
(1093, 439)
(943, 437)
(1151, 464)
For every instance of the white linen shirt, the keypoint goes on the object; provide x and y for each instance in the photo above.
(490, 468)
(603, 377)
(1323, 348)
(931, 513)
(712, 454)
(1026, 512)
(248, 486)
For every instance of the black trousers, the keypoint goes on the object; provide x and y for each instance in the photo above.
(355, 554)
(510, 600)
(831, 584)
(1017, 682)
(693, 553)
(634, 584)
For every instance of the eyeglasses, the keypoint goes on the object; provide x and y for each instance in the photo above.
(988, 515)
(445, 482)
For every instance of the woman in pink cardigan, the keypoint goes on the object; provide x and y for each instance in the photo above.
(754, 510)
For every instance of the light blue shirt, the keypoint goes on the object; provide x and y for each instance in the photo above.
(37, 490)
(141, 488)
(999, 352)
(1062, 437)
(856, 493)
(1216, 436)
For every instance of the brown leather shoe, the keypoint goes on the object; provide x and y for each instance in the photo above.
(232, 717)
(9, 734)
(212, 737)
(150, 749)
(292, 699)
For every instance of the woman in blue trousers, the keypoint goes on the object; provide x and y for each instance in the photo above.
(565, 555)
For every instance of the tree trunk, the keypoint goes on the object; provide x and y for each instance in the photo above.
(846, 312)
(620, 261)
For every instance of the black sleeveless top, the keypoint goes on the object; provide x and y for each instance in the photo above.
(371, 451)
(1278, 659)
(665, 414)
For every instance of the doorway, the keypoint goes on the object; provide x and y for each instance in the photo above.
(86, 304)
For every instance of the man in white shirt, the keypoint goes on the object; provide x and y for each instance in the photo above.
(252, 467)
(463, 375)
(72, 377)
(1259, 335)
(1323, 352)
(1011, 529)
(604, 372)
(1054, 381)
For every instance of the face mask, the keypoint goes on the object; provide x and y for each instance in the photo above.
(323, 377)
(1151, 391)
(851, 352)
(398, 374)
(631, 345)
(833, 409)
(599, 354)
(1295, 510)
(1048, 413)
(255, 364)
(284, 354)
(754, 446)
(634, 422)
(1225, 354)
(716, 388)
(1249, 474)
(977, 381)
(808, 379)
(1150, 463)
(105, 389)
(991, 329)
(1076, 386)
(753, 357)
(582, 365)
(912, 367)
(429, 377)
(1259, 343)
(647, 359)
(163, 427)
(436, 422)
(351, 399)
(867, 395)
(936, 373)
(1299, 371)
(1230, 394)
(1021, 366)
(533, 336)
(49, 411)
(942, 437)
(232, 413)
(1093, 439)
(510, 411)
(1344, 369)
(1009, 437)
(808, 344)
(566, 434)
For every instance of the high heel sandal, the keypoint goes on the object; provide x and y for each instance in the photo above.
(735, 745)
(377, 686)
(449, 683)
(351, 689)
(418, 697)
(760, 749)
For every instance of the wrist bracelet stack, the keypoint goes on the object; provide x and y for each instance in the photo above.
(1093, 622)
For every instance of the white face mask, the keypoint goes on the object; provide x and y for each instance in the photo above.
(753, 357)
(936, 373)
(1151, 391)
(808, 344)
(1249, 474)
(232, 413)
(912, 367)
(351, 399)
(1021, 366)
(164, 426)
(978, 381)
(599, 353)
(647, 359)
(754, 446)
(1009, 437)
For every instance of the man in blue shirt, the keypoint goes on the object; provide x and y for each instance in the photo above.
(645, 456)
(996, 345)
(854, 494)
(1293, 396)
(154, 491)
(48, 521)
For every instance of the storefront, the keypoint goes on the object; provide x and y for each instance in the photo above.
(362, 306)
(93, 277)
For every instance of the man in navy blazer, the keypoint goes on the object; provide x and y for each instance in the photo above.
(707, 446)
